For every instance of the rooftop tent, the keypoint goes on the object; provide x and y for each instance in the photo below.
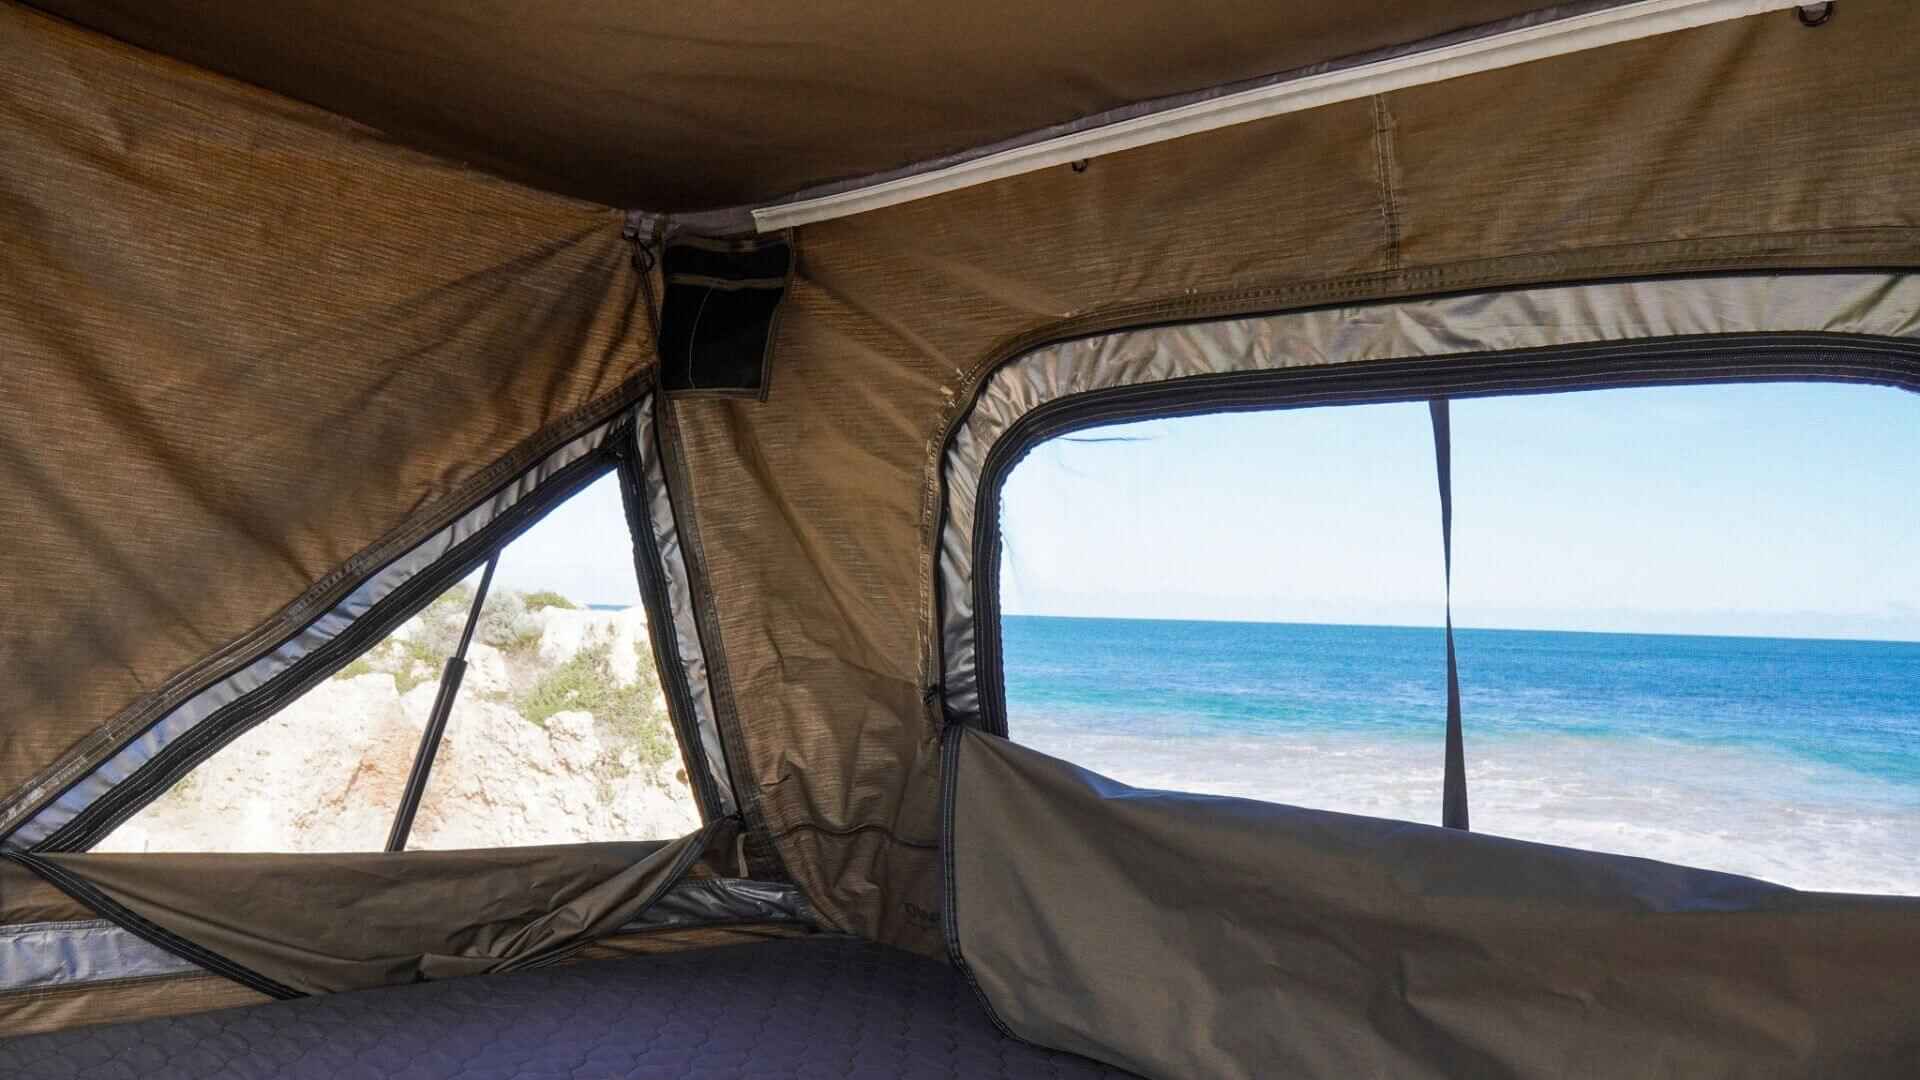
(310, 312)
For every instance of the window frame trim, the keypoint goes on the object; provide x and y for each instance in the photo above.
(673, 630)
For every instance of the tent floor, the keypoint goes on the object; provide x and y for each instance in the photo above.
(828, 1007)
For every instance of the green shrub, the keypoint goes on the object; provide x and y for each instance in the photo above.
(507, 623)
(627, 714)
(417, 661)
(547, 598)
(411, 660)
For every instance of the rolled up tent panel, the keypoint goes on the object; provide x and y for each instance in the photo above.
(192, 932)
(1338, 945)
(296, 924)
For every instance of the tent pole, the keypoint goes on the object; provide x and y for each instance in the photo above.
(437, 720)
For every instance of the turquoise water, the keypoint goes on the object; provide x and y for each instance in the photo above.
(1797, 760)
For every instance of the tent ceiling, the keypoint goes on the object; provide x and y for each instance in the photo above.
(677, 107)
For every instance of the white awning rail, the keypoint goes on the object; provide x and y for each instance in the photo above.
(1521, 44)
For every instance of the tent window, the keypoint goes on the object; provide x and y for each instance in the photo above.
(560, 732)
(1688, 617)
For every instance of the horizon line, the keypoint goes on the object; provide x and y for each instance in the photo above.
(1457, 627)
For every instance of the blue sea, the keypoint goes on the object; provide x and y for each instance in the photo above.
(1793, 760)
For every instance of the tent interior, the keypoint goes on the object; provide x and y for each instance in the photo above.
(321, 323)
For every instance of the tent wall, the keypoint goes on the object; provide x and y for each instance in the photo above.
(250, 351)
(1753, 145)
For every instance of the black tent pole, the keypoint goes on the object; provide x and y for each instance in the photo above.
(437, 720)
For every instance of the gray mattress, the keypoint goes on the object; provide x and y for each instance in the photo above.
(809, 1008)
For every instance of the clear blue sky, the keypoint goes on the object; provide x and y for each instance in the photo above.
(1784, 510)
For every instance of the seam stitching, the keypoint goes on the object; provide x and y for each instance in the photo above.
(1384, 166)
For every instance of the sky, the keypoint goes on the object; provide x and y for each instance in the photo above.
(1781, 510)
(581, 550)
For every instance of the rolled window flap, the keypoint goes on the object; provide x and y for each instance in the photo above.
(1195, 935)
(312, 923)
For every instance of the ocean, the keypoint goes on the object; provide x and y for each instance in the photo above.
(1796, 761)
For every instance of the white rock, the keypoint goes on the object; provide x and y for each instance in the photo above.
(417, 704)
(323, 775)
(565, 633)
(326, 773)
(631, 646)
(574, 743)
(575, 725)
(486, 671)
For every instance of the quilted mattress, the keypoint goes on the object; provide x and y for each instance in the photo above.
(813, 1008)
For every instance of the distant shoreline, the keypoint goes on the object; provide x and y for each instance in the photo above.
(1459, 628)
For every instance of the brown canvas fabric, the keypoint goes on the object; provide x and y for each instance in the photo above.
(318, 923)
(248, 350)
(681, 106)
(1749, 145)
(1758, 140)
(651, 942)
(25, 897)
(1195, 935)
(28, 1012)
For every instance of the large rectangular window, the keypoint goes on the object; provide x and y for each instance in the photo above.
(1690, 617)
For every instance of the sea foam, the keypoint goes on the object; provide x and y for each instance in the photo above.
(1741, 810)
